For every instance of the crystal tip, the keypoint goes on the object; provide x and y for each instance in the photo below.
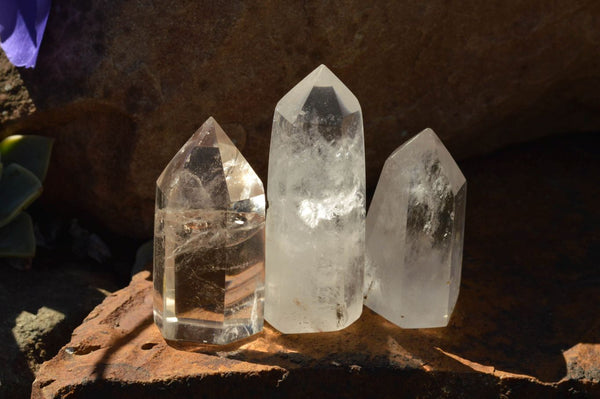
(291, 105)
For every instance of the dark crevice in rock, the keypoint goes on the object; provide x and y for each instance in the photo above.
(148, 346)
(44, 384)
(84, 349)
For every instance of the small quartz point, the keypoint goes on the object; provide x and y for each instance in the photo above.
(209, 243)
(316, 218)
(415, 229)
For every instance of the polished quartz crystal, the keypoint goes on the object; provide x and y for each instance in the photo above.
(316, 218)
(209, 243)
(415, 228)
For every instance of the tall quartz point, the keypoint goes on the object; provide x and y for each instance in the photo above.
(415, 228)
(209, 243)
(316, 218)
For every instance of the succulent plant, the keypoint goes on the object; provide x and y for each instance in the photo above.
(23, 165)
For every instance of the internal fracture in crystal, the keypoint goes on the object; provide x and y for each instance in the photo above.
(209, 243)
(316, 218)
(415, 229)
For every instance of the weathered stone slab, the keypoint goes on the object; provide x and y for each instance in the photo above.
(119, 352)
(525, 324)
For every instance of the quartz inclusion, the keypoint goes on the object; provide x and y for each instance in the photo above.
(209, 243)
(415, 228)
(316, 218)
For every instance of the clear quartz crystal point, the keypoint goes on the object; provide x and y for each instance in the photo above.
(316, 218)
(415, 228)
(209, 243)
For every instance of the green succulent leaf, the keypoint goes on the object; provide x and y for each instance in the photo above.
(18, 188)
(17, 239)
(31, 152)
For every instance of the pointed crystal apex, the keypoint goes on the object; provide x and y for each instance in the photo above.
(428, 139)
(415, 229)
(209, 242)
(209, 171)
(320, 88)
(206, 136)
(211, 134)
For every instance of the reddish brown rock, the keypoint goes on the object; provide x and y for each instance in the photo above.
(121, 86)
(525, 324)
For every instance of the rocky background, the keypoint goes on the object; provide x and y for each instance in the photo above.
(122, 85)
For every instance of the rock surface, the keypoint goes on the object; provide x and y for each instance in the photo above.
(15, 101)
(524, 324)
(39, 309)
(123, 86)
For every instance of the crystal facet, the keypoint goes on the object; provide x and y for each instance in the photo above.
(316, 218)
(209, 242)
(415, 228)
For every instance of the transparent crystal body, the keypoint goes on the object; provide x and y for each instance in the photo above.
(415, 229)
(209, 243)
(316, 218)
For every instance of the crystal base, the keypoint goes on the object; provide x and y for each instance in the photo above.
(205, 332)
